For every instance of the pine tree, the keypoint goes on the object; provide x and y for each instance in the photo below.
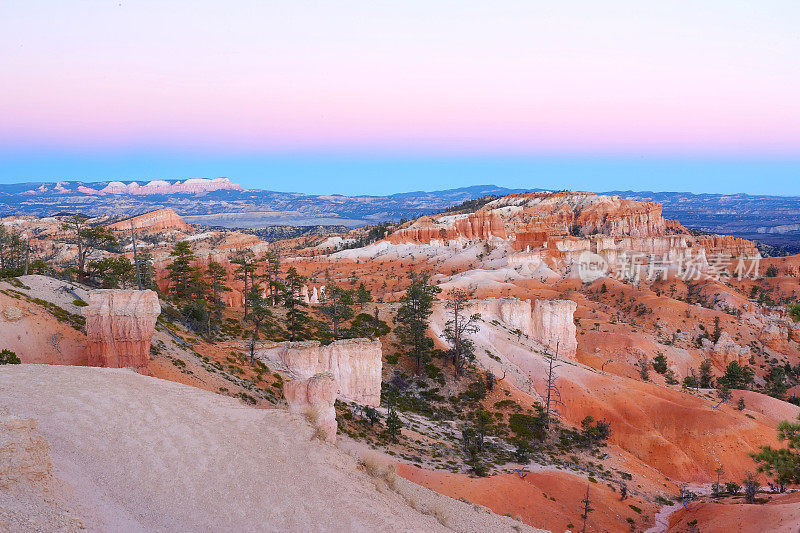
(272, 276)
(297, 318)
(363, 296)
(393, 425)
(86, 238)
(260, 319)
(337, 307)
(412, 319)
(245, 271)
(217, 276)
(183, 275)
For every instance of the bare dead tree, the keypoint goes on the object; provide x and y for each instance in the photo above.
(586, 509)
(55, 340)
(136, 258)
(553, 393)
(458, 327)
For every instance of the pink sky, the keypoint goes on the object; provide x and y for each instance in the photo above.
(522, 77)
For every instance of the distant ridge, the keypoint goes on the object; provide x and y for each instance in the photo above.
(773, 220)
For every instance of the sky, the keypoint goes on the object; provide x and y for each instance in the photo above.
(358, 97)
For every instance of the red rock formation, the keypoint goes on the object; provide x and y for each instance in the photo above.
(315, 398)
(160, 219)
(119, 327)
(354, 363)
(481, 225)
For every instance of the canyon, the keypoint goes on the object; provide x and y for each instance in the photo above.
(608, 283)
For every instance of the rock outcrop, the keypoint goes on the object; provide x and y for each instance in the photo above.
(119, 327)
(315, 398)
(24, 454)
(725, 350)
(553, 325)
(160, 219)
(355, 364)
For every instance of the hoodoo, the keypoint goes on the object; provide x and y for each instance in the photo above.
(119, 327)
(315, 398)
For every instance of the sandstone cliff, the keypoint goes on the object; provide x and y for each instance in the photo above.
(119, 327)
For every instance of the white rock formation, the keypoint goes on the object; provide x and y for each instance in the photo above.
(354, 363)
(550, 322)
(553, 325)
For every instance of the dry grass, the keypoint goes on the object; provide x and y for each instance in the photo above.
(373, 466)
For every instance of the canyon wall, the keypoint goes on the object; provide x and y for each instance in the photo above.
(119, 327)
(355, 364)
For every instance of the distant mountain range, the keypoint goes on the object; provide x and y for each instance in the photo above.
(773, 220)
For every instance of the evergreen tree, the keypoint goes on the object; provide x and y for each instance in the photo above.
(273, 271)
(393, 425)
(217, 276)
(145, 261)
(260, 319)
(337, 307)
(245, 271)
(7, 357)
(660, 363)
(706, 377)
(412, 319)
(297, 319)
(782, 463)
(183, 275)
(111, 272)
(736, 376)
(363, 296)
(86, 238)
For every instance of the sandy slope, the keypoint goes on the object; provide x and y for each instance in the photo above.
(143, 454)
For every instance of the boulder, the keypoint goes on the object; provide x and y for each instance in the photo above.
(315, 398)
(119, 327)
(12, 314)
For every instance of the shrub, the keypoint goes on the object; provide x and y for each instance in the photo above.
(7, 357)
